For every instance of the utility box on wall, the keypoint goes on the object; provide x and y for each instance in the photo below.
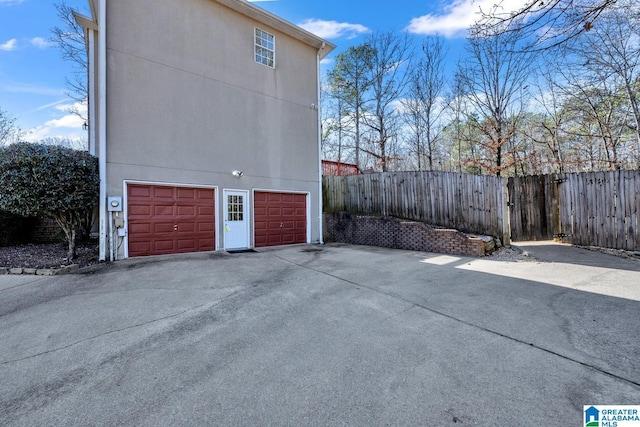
(114, 204)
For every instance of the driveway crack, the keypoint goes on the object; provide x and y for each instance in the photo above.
(6, 362)
(464, 322)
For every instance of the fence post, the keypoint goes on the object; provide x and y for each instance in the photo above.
(505, 212)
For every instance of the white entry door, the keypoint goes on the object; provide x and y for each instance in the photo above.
(236, 220)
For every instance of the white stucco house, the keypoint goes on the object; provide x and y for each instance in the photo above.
(204, 116)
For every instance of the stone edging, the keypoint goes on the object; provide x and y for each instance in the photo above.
(40, 271)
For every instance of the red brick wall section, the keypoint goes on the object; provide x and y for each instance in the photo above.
(389, 232)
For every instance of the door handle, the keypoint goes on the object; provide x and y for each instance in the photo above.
(175, 227)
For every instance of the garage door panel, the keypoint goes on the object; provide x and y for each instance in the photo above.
(154, 211)
(205, 194)
(139, 191)
(205, 243)
(139, 210)
(162, 227)
(279, 218)
(273, 225)
(163, 192)
(163, 245)
(205, 227)
(186, 210)
(185, 193)
(186, 227)
(140, 247)
(274, 211)
(288, 238)
(144, 228)
(205, 211)
(163, 210)
(187, 245)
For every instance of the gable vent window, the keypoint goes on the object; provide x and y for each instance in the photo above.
(265, 48)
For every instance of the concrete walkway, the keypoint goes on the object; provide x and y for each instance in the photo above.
(332, 335)
(582, 269)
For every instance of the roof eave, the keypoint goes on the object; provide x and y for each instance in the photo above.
(241, 6)
(324, 47)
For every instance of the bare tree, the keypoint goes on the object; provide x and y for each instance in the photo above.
(597, 116)
(69, 37)
(611, 54)
(547, 127)
(9, 132)
(493, 77)
(388, 77)
(424, 105)
(548, 23)
(353, 71)
(338, 123)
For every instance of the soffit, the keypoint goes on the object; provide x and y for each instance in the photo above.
(267, 18)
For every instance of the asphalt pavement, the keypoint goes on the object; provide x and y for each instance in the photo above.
(322, 335)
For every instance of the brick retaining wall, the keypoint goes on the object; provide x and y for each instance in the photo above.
(389, 232)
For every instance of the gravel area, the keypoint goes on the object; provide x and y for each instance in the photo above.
(511, 254)
(635, 255)
(50, 255)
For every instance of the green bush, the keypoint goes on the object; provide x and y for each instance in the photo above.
(49, 181)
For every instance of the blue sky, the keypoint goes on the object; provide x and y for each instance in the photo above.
(32, 72)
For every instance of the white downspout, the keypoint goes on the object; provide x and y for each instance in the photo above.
(92, 84)
(320, 228)
(102, 121)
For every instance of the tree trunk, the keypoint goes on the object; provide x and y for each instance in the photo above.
(71, 252)
(69, 227)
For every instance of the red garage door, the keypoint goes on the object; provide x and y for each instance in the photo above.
(169, 220)
(279, 218)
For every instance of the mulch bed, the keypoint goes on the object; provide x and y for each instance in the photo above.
(50, 255)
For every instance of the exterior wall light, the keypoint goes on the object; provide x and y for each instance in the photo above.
(237, 173)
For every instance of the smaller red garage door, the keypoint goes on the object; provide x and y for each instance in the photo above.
(279, 218)
(169, 220)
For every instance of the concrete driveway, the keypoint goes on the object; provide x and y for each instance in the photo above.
(337, 335)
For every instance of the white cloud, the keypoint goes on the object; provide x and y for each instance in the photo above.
(458, 17)
(333, 29)
(9, 45)
(40, 43)
(68, 126)
(68, 121)
(10, 2)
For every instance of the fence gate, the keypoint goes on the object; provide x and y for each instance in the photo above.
(534, 207)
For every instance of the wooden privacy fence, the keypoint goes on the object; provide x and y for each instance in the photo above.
(601, 209)
(471, 203)
(597, 208)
